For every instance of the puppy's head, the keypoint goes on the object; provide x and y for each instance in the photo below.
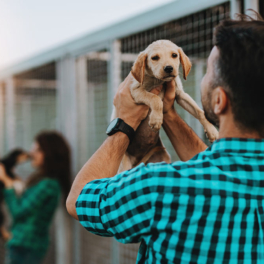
(161, 59)
(14, 158)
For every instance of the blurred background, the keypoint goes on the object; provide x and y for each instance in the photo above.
(60, 65)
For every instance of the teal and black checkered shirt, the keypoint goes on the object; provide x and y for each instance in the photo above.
(206, 210)
(32, 214)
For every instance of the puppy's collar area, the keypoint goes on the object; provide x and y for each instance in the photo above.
(169, 76)
(158, 80)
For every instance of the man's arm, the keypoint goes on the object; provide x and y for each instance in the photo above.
(106, 160)
(184, 140)
(103, 164)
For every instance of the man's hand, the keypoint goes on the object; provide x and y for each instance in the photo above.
(125, 106)
(133, 113)
(169, 98)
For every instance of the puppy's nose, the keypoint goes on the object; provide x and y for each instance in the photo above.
(168, 69)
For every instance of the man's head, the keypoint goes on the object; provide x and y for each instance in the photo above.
(234, 82)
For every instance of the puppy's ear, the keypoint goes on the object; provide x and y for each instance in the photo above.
(186, 63)
(138, 69)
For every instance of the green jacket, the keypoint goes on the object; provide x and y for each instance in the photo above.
(32, 214)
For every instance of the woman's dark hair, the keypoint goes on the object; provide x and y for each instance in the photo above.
(239, 69)
(57, 160)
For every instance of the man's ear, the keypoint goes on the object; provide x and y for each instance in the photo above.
(138, 69)
(219, 100)
(186, 63)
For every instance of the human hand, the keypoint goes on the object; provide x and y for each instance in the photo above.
(5, 234)
(169, 98)
(3, 175)
(4, 178)
(126, 108)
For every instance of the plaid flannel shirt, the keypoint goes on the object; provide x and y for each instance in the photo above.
(32, 214)
(206, 210)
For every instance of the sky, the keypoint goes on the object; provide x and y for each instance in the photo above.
(29, 27)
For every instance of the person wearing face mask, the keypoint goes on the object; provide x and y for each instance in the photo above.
(32, 212)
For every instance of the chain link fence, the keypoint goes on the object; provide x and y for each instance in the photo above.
(92, 97)
(29, 109)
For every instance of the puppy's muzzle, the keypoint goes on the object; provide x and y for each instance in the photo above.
(168, 69)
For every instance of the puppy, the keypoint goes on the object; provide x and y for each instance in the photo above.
(157, 64)
(14, 158)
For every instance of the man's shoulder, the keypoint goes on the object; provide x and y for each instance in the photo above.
(199, 172)
(204, 159)
(157, 177)
(164, 174)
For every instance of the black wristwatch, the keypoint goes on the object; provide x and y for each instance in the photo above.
(119, 125)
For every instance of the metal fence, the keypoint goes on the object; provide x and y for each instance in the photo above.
(73, 93)
(194, 34)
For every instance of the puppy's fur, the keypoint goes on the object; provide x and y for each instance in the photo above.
(157, 64)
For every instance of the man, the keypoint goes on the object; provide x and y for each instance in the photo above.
(208, 209)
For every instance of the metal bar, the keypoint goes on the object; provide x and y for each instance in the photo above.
(1, 119)
(115, 252)
(114, 73)
(251, 4)
(105, 56)
(199, 73)
(67, 116)
(82, 109)
(66, 124)
(27, 118)
(35, 83)
(63, 236)
(114, 79)
(91, 129)
(235, 8)
(10, 113)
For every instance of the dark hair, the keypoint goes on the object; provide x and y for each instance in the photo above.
(10, 160)
(57, 160)
(240, 69)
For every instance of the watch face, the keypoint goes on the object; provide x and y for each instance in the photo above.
(112, 125)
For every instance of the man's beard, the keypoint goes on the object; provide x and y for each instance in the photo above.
(208, 110)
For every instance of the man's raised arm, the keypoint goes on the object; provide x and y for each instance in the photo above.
(184, 140)
(105, 161)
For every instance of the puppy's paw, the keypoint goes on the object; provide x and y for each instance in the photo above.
(155, 122)
(211, 133)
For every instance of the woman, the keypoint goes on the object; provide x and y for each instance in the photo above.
(33, 211)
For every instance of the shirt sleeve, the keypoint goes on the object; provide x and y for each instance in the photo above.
(32, 199)
(121, 206)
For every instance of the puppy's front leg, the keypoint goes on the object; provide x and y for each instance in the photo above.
(141, 96)
(186, 102)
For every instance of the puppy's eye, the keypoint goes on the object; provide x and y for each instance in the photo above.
(155, 58)
(174, 55)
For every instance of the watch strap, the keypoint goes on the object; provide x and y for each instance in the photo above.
(127, 129)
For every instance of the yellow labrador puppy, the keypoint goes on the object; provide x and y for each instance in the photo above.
(157, 64)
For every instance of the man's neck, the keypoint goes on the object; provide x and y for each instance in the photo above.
(229, 128)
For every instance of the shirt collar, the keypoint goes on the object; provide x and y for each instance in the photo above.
(239, 145)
